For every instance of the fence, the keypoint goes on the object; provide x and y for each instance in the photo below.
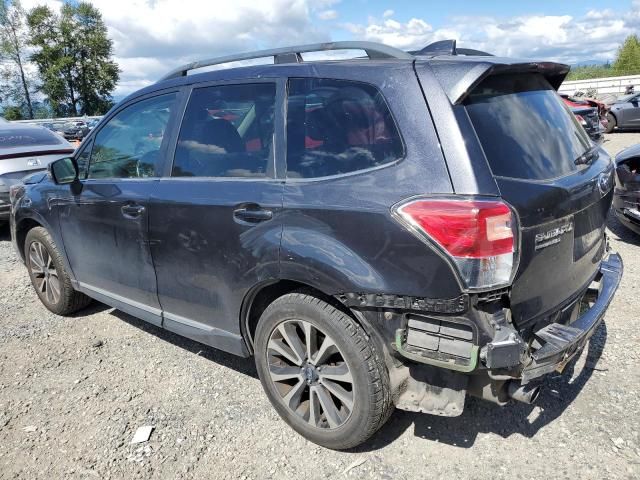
(602, 86)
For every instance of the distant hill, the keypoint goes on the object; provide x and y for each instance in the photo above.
(589, 63)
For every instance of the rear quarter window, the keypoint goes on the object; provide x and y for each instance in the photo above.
(336, 127)
(525, 129)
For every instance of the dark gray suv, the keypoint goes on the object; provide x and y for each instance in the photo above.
(396, 230)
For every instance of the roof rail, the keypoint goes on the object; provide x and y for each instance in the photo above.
(374, 51)
(447, 47)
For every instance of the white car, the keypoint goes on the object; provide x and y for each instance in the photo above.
(25, 149)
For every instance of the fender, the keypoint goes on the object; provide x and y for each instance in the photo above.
(29, 207)
(311, 253)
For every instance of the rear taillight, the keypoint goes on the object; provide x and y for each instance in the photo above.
(581, 119)
(478, 235)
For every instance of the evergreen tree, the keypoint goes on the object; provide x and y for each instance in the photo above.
(74, 57)
(628, 57)
(15, 81)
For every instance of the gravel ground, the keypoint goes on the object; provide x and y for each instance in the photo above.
(73, 391)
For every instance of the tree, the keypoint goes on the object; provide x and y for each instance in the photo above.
(12, 113)
(628, 57)
(13, 48)
(73, 55)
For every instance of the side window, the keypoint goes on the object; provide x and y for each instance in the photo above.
(128, 146)
(227, 131)
(337, 126)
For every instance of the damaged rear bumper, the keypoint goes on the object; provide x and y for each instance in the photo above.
(505, 368)
(560, 343)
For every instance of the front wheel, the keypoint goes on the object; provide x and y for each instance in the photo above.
(48, 276)
(321, 372)
(611, 123)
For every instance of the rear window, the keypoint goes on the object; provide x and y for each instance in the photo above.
(27, 137)
(524, 127)
(336, 127)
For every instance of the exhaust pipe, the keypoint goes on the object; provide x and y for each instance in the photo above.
(523, 393)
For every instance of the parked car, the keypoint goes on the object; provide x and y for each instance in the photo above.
(624, 113)
(590, 120)
(582, 101)
(626, 198)
(397, 231)
(58, 128)
(93, 123)
(25, 149)
(75, 130)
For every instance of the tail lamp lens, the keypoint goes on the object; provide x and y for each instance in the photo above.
(478, 235)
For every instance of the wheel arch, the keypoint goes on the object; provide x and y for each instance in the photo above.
(262, 295)
(23, 226)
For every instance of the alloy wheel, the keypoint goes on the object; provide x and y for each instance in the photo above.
(45, 276)
(310, 374)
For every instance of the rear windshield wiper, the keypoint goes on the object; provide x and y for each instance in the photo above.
(587, 157)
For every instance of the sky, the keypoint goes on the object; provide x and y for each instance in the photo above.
(153, 36)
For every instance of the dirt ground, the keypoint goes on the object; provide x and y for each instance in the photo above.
(73, 391)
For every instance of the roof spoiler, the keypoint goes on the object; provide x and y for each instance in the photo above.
(458, 79)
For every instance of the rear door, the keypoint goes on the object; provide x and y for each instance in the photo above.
(215, 218)
(559, 183)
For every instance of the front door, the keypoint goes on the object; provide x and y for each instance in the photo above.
(215, 222)
(632, 112)
(105, 226)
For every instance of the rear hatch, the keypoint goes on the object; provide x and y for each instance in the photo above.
(558, 182)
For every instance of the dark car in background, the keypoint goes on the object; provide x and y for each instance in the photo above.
(590, 120)
(626, 199)
(393, 231)
(75, 130)
(624, 112)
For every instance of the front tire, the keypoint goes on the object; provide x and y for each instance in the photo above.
(611, 125)
(48, 275)
(321, 372)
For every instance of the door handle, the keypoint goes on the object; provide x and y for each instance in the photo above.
(132, 210)
(253, 215)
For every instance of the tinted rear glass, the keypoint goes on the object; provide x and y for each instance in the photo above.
(27, 137)
(525, 128)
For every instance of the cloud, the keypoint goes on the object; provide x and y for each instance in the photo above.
(593, 36)
(327, 15)
(153, 36)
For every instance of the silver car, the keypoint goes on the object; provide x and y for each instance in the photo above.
(25, 149)
(624, 112)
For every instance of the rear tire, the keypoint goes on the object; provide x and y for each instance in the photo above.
(48, 275)
(611, 125)
(336, 399)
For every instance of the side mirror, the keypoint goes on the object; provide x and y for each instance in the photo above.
(64, 171)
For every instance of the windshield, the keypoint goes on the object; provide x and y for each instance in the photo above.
(26, 137)
(525, 129)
